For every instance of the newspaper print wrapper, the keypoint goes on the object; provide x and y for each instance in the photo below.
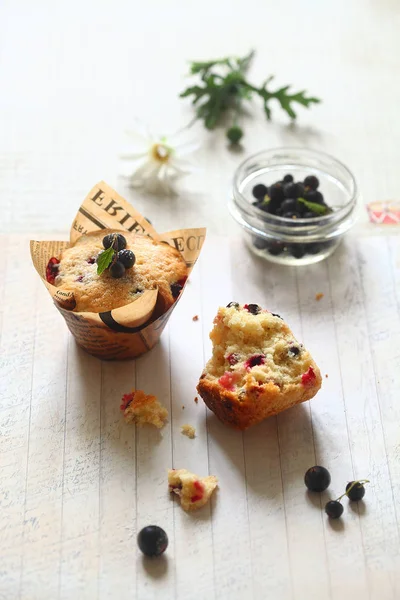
(133, 329)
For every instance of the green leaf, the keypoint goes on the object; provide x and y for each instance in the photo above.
(104, 260)
(223, 89)
(318, 209)
(244, 63)
(199, 66)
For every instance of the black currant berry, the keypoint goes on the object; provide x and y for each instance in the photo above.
(259, 243)
(312, 182)
(254, 309)
(297, 250)
(276, 248)
(152, 540)
(260, 191)
(294, 190)
(314, 196)
(276, 193)
(117, 270)
(127, 258)
(288, 178)
(108, 240)
(355, 490)
(176, 289)
(288, 205)
(317, 479)
(334, 509)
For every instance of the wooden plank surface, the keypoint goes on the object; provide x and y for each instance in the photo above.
(77, 483)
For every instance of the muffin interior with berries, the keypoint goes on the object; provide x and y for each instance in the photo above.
(193, 491)
(257, 368)
(142, 409)
(108, 269)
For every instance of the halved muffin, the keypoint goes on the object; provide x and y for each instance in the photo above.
(257, 369)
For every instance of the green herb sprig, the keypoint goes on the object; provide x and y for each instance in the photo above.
(108, 256)
(318, 209)
(104, 260)
(224, 87)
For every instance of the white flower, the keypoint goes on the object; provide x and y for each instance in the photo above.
(158, 160)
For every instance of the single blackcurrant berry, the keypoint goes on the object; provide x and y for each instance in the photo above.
(232, 304)
(260, 243)
(288, 205)
(127, 258)
(276, 193)
(314, 248)
(293, 190)
(288, 178)
(259, 191)
(109, 240)
(152, 540)
(317, 478)
(117, 270)
(297, 250)
(334, 509)
(176, 289)
(312, 182)
(276, 248)
(254, 361)
(295, 351)
(355, 490)
(314, 196)
(254, 309)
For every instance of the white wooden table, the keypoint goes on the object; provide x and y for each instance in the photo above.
(76, 483)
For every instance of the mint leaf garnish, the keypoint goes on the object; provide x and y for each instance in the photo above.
(104, 260)
(314, 207)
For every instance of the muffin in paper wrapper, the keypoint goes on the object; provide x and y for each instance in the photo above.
(133, 329)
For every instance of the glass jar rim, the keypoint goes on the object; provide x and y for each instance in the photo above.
(324, 226)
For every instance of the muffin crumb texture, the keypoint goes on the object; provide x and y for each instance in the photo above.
(143, 409)
(257, 369)
(194, 491)
(189, 431)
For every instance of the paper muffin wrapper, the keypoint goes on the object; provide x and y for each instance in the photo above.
(133, 329)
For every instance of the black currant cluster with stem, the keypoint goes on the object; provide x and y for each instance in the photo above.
(317, 479)
(224, 87)
(355, 491)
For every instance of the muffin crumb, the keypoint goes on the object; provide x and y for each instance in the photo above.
(195, 318)
(142, 409)
(196, 399)
(319, 296)
(189, 431)
(326, 375)
(193, 491)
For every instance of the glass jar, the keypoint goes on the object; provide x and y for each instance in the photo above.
(294, 241)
